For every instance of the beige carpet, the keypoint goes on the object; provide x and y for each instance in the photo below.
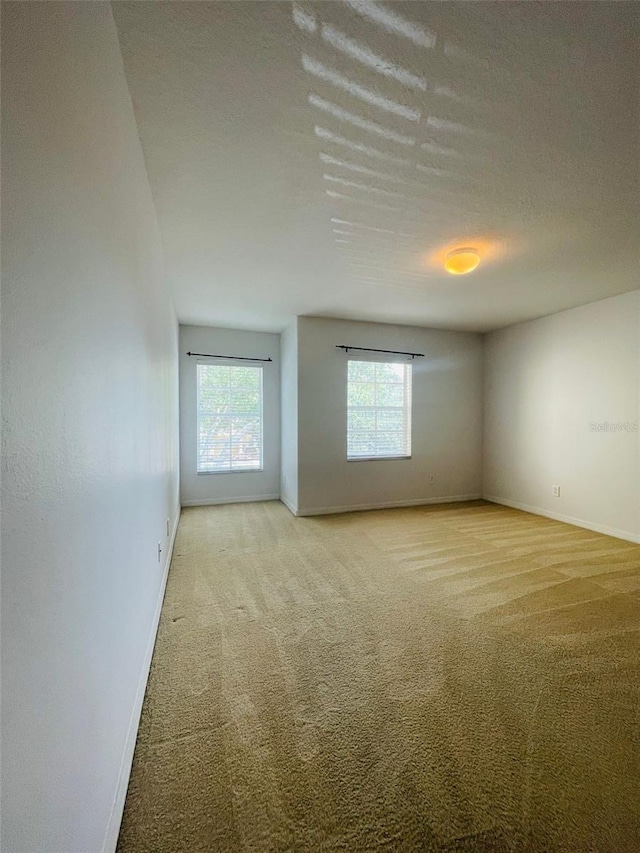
(452, 678)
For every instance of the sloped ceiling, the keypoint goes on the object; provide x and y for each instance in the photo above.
(322, 158)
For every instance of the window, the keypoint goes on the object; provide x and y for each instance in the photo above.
(229, 418)
(378, 410)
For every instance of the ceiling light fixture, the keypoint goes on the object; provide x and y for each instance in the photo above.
(462, 261)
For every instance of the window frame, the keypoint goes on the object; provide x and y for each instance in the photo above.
(220, 363)
(406, 407)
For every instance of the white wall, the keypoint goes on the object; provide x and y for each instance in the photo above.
(546, 382)
(289, 415)
(89, 342)
(197, 488)
(447, 418)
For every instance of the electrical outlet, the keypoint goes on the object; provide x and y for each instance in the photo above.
(159, 550)
(432, 478)
(556, 491)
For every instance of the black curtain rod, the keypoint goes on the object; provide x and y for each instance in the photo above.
(388, 351)
(231, 357)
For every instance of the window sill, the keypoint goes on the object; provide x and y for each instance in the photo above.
(234, 471)
(375, 458)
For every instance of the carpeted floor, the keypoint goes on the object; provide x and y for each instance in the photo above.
(452, 678)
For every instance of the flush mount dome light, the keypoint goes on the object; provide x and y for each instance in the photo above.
(462, 261)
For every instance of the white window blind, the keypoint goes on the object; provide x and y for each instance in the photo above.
(378, 410)
(229, 418)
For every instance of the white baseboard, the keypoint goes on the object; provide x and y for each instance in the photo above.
(243, 500)
(567, 519)
(115, 819)
(330, 510)
(292, 509)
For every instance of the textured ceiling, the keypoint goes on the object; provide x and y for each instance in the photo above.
(322, 158)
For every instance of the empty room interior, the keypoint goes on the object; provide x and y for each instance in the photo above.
(320, 448)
